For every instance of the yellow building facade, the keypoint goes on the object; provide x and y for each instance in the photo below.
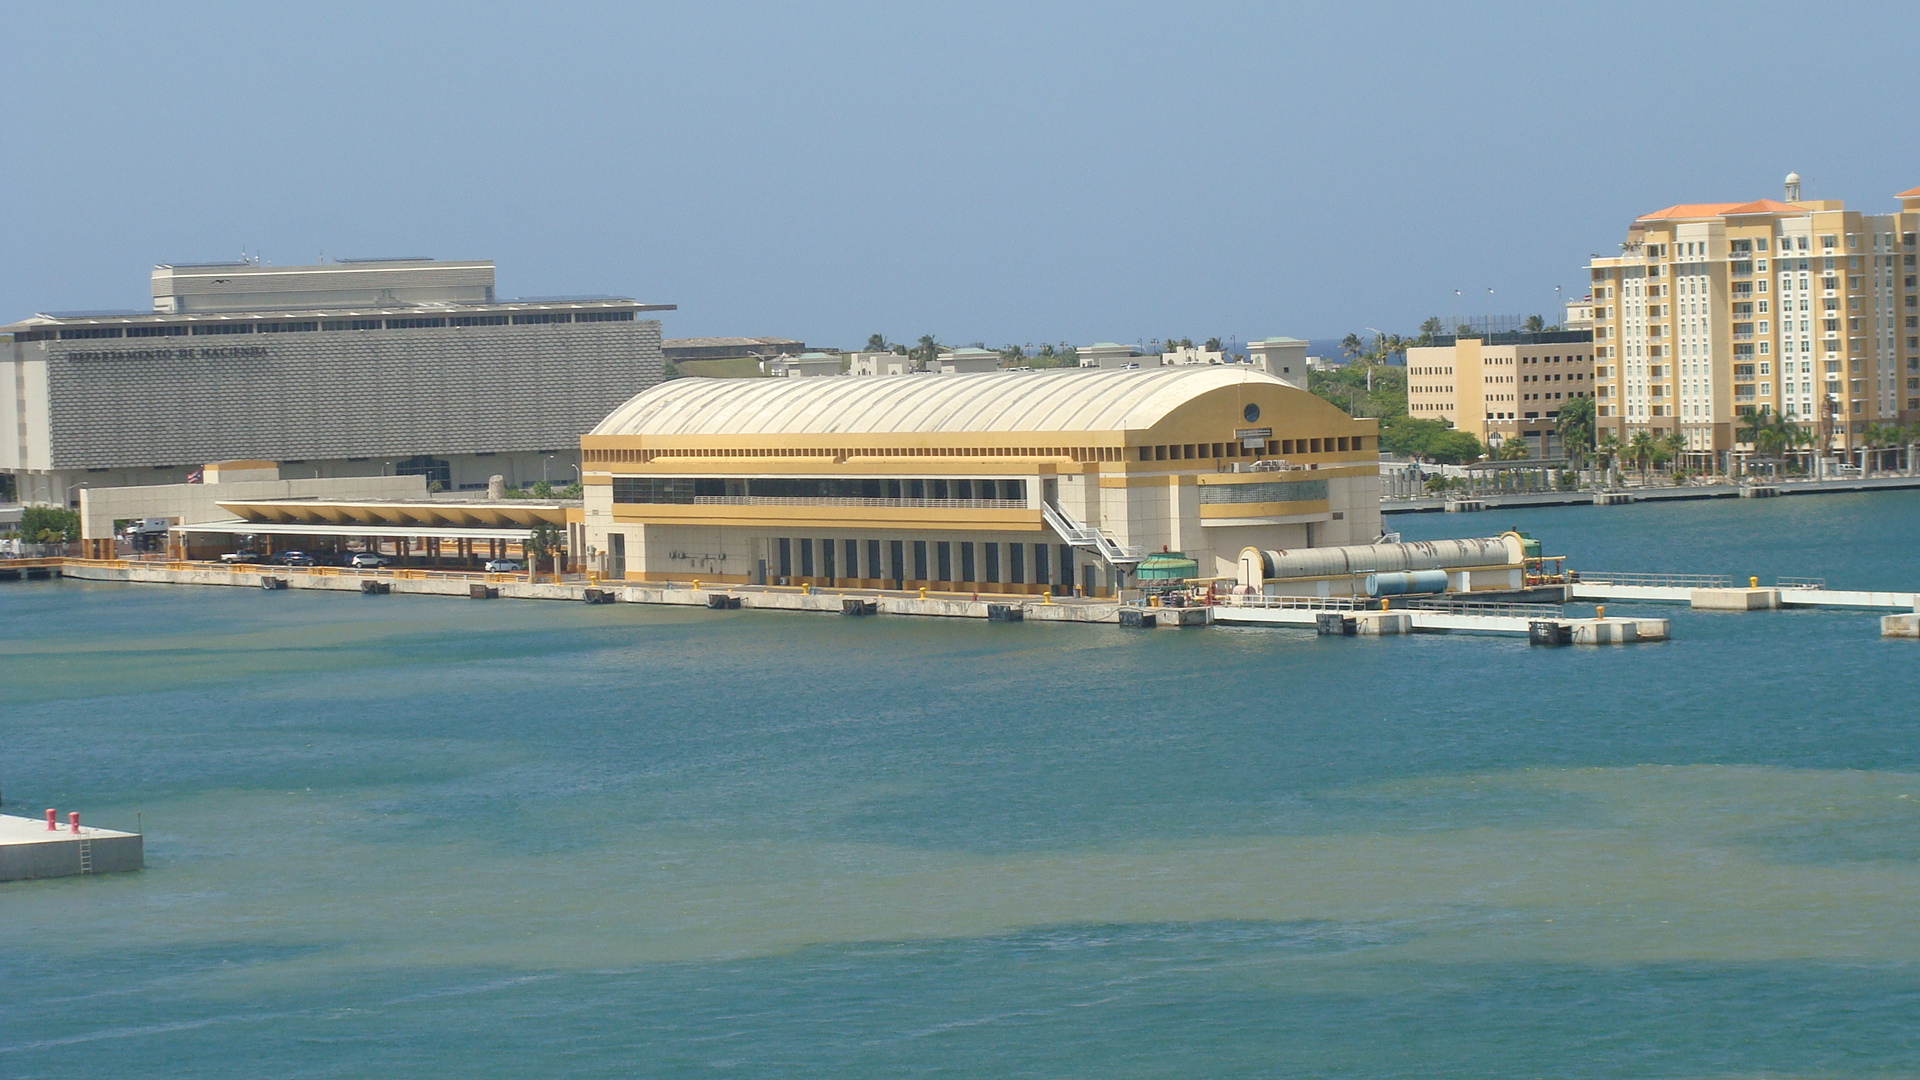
(1500, 387)
(1009, 482)
(1800, 308)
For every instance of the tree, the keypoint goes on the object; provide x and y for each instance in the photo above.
(1351, 346)
(1428, 440)
(1429, 329)
(1576, 427)
(1641, 450)
(1672, 446)
(1513, 449)
(544, 540)
(49, 525)
(878, 343)
(1535, 324)
(1214, 345)
(925, 354)
(1012, 356)
(1607, 446)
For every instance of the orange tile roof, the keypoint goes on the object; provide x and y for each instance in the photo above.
(1690, 210)
(1766, 206)
(1910, 193)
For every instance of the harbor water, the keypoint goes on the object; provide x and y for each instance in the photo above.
(426, 837)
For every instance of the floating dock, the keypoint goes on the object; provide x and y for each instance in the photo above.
(1721, 593)
(1434, 617)
(49, 848)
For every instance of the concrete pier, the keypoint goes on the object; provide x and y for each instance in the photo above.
(28, 849)
(1735, 599)
(1906, 626)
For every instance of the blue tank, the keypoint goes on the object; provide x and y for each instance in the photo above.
(1407, 582)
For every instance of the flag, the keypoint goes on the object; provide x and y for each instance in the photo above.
(197, 476)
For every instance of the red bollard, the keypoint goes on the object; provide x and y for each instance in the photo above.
(52, 814)
(73, 821)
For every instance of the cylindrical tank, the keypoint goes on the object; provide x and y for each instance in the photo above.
(1167, 566)
(1407, 582)
(1334, 562)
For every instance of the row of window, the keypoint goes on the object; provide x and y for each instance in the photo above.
(84, 333)
(934, 562)
(1201, 451)
(686, 490)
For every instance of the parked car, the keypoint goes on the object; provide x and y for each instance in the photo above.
(242, 556)
(368, 560)
(504, 566)
(295, 558)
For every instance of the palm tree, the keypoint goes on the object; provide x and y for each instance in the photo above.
(1535, 324)
(1213, 345)
(1608, 447)
(878, 343)
(1431, 327)
(1641, 450)
(926, 352)
(1672, 446)
(1513, 448)
(1351, 345)
(544, 540)
(1576, 429)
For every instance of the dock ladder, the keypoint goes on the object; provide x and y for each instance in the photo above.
(86, 854)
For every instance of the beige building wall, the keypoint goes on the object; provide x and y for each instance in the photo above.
(1497, 390)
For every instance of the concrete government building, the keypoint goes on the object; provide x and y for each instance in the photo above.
(351, 368)
(1009, 482)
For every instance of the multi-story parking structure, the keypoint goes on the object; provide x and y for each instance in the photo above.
(364, 368)
(1799, 308)
(1017, 482)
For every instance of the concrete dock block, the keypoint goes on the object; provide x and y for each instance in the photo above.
(1618, 631)
(29, 850)
(1906, 626)
(1735, 599)
(1382, 623)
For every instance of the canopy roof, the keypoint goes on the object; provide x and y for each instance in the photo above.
(1051, 401)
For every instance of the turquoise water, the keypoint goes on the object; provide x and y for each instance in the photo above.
(401, 836)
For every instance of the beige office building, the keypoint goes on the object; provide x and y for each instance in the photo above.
(1502, 385)
(1800, 307)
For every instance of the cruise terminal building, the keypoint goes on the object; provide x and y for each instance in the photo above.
(1005, 482)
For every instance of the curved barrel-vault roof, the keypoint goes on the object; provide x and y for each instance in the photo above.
(1052, 401)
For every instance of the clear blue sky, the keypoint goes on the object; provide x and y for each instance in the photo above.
(988, 172)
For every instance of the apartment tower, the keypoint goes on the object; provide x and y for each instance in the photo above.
(1797, 307)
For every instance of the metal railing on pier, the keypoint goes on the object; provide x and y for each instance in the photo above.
(1800, 583)
(1654, 581)
(1294, 603)
(1488, 607)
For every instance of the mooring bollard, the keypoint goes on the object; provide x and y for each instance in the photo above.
(1046, 596)
(923, 592)
(52, 814)
(1600, 612)
(1753, 582)
(73, 821)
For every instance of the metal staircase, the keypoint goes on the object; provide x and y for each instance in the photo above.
(1083, 536)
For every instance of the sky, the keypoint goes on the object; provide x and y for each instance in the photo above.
(1004, 173)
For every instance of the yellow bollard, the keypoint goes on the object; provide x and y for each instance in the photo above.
(923, 592)
(1383, 603)
(1046, 596)
(696, 584)
(1753, 583)
(1600, 612)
